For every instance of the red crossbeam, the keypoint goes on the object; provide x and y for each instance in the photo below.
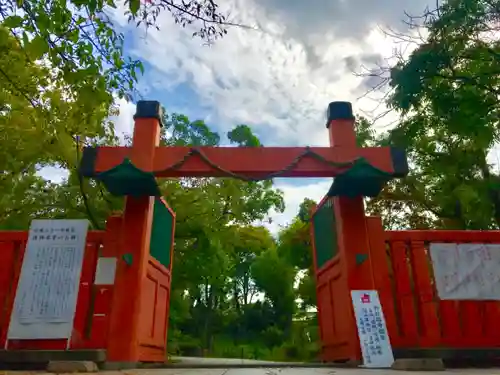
(253, 162)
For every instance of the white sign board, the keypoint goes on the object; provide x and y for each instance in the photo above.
(372, 330)
(466, 271)
(46, 296)
(106, 271)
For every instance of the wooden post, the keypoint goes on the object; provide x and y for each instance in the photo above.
(350, 219)
(123, 338)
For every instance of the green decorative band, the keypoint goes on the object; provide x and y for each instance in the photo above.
(362, 179)
(127, 179)
(358, 178)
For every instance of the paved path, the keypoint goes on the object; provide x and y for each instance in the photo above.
(277, 371)
(268, 368)
(199, 361)
(277, 368)
(300, 371)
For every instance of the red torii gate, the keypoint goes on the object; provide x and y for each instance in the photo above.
(131, 171)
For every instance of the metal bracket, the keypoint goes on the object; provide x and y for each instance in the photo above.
(128, 259)
(361, 258)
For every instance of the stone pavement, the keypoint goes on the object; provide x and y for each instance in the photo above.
(226, 366)
(277, 371)
(298, 371)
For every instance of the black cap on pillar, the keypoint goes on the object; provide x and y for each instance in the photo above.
(339, 111)
(149, 109)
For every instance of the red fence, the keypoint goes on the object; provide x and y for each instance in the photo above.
(416, 317)
(397, 264)
(98, 317)
(94, 301)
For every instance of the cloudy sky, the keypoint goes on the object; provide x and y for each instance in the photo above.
(278, 78)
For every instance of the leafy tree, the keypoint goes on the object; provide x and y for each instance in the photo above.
(79, 40)
(248, 243)
(215, 246)
(295, 246)
(447, 94)
(217, 292)
(37, 129)
(63, 65)
(274, 276)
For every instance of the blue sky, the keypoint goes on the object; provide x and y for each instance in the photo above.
(278, 79)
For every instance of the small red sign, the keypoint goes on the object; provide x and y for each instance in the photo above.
(365, 298)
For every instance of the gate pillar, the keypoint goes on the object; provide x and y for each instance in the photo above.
(123, 338)
(350, 227)
(352, 234)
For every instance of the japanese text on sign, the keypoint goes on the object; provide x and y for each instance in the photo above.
(466, 271)
(372, 331)
(50, 275)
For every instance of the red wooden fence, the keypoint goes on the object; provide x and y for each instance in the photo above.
(96, 319)
(93, 303)
(398, 266)
(416, 317)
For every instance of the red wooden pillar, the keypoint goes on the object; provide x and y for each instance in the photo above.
(351, 224)
(123, 338)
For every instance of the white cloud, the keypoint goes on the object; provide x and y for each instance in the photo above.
(53, 174)
(294, 195)
(261, 78)
(124, 122)
(314, 21)
(279, 79)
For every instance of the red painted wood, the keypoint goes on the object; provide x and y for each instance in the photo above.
(154, 313)
(472, 323)
(335, 313)
(8, 253)
(451, 326)
(491, 326)
(103, 294)
(19, 248)
(454, 236)
(12, 248)
(382, 279)
(248, 161)
(404, 295)
(83, 314)
(460, 324)
(426, 300)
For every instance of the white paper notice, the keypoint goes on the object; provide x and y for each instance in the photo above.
(466, 271)
(372, 330)
(106, 271)
(47, 291)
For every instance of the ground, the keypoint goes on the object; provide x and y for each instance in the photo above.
(277, 368)
(289, 371)
(226, 366)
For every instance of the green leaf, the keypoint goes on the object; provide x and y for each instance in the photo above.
(26, 39)
(134, 6)
(13, 22)
(38, 47)
(92, 6)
